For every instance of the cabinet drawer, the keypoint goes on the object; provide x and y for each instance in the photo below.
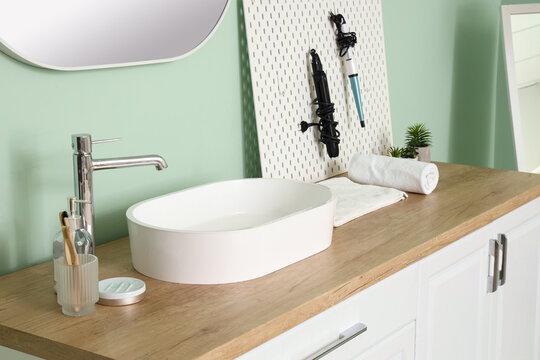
(383, 308)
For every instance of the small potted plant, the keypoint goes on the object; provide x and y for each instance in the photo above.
(395, 151)
(409, 153)
(419, 137)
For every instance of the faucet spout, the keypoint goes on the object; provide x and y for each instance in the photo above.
(130, 161)
(84, 166)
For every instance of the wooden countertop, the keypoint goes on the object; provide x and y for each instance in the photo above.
(223, 321)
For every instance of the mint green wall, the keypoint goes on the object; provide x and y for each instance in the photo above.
(445, 68)
(188, 111)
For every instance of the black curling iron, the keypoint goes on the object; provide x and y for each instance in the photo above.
(326, 124)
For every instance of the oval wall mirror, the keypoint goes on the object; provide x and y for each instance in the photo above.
(91, 34)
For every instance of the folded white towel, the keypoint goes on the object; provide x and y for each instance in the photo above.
(355, 200)
(403, 174)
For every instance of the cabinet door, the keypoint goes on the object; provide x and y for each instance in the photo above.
(518, 305)
(453, 306)
(398, 346)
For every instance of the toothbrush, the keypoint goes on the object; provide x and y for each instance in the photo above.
(72, 259)
(345, 41)
(70, 250)
(62, 215)
(67, 251)
(71, 245)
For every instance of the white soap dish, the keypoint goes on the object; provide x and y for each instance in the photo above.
(121, 291)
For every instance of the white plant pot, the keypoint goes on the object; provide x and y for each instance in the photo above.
(424, 154)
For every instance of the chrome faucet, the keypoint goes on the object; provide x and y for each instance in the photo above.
(84, 167)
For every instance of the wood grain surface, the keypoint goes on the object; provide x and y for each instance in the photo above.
(223, 321)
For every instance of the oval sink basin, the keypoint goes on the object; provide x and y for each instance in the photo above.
(229, 231)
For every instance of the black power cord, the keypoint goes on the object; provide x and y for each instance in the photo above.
(344, 40)
(326, 125)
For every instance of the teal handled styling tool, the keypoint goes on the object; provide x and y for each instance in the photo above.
(345, 41)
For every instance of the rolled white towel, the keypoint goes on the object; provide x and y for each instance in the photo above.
(403, 174)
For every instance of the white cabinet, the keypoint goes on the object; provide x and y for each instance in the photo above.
(518, 300)
(459, 318)
(439, 308)
(452, 311)
(453, 305)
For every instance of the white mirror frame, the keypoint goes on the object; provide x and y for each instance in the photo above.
(507, 11)
(159, 50)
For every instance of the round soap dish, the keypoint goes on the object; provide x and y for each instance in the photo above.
(121, 291)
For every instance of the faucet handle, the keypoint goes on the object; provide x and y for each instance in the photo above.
(72, 204)
(105, 141)
(82, 143)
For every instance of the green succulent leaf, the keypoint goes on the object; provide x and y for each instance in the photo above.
(418, 135)
(395, 151)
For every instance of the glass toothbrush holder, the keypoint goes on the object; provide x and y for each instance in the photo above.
(77, 285)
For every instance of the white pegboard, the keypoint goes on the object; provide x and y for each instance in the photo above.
(280, 34)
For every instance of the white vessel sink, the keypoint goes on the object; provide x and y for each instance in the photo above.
(229, 231)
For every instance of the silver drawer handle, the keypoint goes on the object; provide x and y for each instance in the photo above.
(344, 337)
